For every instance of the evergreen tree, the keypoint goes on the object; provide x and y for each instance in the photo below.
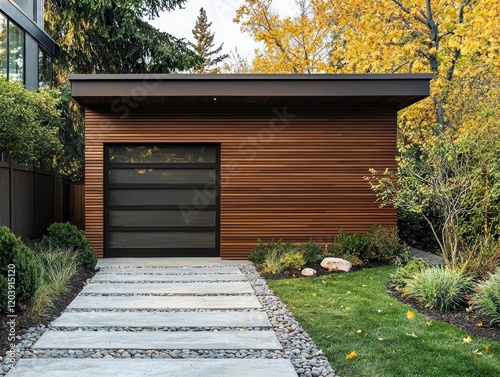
(204, 45)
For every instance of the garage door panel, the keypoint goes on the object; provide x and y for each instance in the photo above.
(150, 197)
(155, 239)
(166, 154)
(187, 217)
(162, 176)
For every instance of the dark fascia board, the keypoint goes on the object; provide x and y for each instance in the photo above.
(110, 87)
(18, 16)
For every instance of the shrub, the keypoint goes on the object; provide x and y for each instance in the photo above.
(480, 257)
(259, 254)
(294, 259)
(385, 242)
(273, 264)
(486, 298)
(67, 236)
(352, 258)
(311, 251)
(58, 267)
(27, 270)
(438, 288)
(353, 245)
(402, 274)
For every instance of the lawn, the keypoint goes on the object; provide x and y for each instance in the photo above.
(352, 314)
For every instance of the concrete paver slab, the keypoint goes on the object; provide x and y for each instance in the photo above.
(152, 368)
(233, 287)
(173, 270)
(163, 319)
(150, 340)
(100, 276)
(168, 262)
(165, 302)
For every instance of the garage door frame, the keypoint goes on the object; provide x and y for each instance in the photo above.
(162, 252)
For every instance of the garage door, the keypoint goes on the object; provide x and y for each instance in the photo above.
(161, 200)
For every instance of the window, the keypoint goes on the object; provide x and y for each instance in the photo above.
(44, 70)
(27, 6)
(16, 53)
(3, 46)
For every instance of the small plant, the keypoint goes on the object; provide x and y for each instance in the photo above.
(352, 258)
(486, 298)
(259, 254)
(273, 264)
(402, 274)
(385, 242)
(480, 257)
(438, 288)
(67, 236)
(294, 259)
(354, 244)
(404, 256)
(58, 267)
(311, 251)
(15, 255)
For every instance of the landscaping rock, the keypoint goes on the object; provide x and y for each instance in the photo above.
(336, 264)
(308, 272)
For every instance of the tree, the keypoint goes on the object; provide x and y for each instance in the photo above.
(205, 43)
(112, 37)
(29, 124)
(300, 44)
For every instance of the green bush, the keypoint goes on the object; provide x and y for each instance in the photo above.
(67, 236)
(438, 288)
(486, 298)
(385, 242)
(402, 274)
(259, 254)
(480, 256)
(354, 245)
(311, 251)
(293, 259)
(27, 271)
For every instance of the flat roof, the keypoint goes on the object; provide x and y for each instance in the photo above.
(319, 90)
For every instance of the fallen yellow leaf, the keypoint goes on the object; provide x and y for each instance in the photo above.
(429, 323)
(480, 324)
(487, 347)
(359, 331)
(347, 308)
(351, 355)
(468, 339)
(410, 314)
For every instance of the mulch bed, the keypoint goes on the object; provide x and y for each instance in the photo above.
(467, 321)
(60, 304)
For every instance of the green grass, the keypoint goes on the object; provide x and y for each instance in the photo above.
(333, 308)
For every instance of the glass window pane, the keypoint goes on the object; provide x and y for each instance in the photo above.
(3, 46)
(170, 154)
(142, 197)
(162, 217)
(147, 176)
(44, 70)
(161, 240)
(16, 53)
(26, 6)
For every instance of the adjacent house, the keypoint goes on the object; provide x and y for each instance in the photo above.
(26, 51)
(204, 165)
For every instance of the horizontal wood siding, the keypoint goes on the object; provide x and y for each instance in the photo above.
(294, 174)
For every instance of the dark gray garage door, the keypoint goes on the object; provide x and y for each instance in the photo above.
(161, 200)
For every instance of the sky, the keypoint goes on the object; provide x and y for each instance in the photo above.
(221, 13)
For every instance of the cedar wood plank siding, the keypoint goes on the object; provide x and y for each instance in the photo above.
(295, 177)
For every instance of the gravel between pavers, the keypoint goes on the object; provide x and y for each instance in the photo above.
(306, 357)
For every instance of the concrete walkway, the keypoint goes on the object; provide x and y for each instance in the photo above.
(161, 317)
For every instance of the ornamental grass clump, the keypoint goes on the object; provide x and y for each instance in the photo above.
(439, 288)
(486, 298)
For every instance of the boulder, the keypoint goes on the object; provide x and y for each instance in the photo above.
(336, 264)
(308, 272)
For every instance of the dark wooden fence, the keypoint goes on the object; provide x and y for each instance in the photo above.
(31, 199)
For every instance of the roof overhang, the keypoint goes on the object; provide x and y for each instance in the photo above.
(317, 90)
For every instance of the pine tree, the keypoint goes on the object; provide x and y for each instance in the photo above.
(204, 45)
